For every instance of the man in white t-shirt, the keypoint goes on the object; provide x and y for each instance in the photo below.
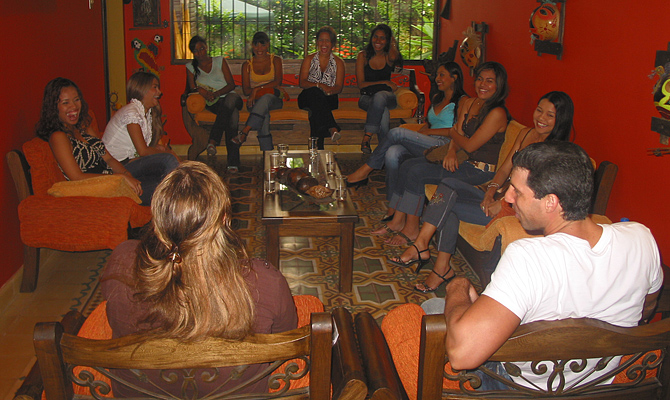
(578, 269)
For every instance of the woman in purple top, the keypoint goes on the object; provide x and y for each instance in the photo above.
(189, 278)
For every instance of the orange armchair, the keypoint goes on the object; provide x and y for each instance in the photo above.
(63, 223)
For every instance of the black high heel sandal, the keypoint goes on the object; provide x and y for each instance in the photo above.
(365, 144)
(429, 289)
(400, 263)
(358, 184)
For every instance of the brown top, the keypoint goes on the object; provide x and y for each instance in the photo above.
(275, 312)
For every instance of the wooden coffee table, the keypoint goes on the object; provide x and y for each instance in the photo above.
(285, 213)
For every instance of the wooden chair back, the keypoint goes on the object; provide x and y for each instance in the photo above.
(58, 353)
(643, 376)
(349, 382)
(20, 171)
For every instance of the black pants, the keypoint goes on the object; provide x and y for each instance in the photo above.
(320, 109)
(227, 119)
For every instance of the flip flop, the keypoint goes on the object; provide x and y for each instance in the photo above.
(408, 241)
(386, 229)
(397, 261)
(429, 289)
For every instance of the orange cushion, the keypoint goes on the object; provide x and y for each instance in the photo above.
(95, 327)
(402, 330)
(44, 171)
(79, 223)
(305, 305)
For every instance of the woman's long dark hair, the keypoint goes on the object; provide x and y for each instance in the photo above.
(191, 46)
(454, 70)
(370, 50)
(49, 121)
(565, 110)
(502, 90)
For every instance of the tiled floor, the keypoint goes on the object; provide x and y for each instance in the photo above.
(309, 264)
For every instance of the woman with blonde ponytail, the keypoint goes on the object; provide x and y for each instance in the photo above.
(190, 277)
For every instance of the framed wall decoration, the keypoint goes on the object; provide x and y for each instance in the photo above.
(146, 14)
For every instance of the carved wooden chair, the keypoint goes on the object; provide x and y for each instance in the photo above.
(565, 344)
(58, 353)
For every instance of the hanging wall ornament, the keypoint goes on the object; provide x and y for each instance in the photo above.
(661, 93)
(544, 22)
(473, 46)
(546, 27)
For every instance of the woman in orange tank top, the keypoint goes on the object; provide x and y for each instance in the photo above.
(261, 82)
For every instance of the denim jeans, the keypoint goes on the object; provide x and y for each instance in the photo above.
(453, 201)
(227, 118)
(150, 171)
(259, 118)
(378, 118)
(409, 196)
(399, 145)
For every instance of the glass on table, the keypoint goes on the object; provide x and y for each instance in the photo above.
(276, 161)
(313, 146)
(270, 181)
(283, 149)
(341, 188)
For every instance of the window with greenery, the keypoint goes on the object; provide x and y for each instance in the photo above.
(228, 25)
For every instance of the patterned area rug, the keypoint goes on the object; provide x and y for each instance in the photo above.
(310, 264)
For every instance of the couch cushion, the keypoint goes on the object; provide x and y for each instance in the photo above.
(44, 170)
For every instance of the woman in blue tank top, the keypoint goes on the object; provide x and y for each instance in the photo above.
(373, 74)
(402, 143)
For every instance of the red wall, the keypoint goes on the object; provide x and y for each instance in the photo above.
(41, 40)
(609, 50)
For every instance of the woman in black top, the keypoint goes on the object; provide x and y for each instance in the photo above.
(373, 73)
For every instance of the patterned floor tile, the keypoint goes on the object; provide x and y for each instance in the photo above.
(310, 264)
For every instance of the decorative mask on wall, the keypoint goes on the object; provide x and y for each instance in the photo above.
(662, 90)
(545, 22)
(471, 48)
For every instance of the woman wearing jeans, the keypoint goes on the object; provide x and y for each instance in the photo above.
(261, 80)
(374, 66)
(402, 143)
(480, 131)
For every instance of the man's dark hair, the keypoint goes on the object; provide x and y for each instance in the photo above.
(560, 168)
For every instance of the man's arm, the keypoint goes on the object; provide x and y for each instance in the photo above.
(476, 326)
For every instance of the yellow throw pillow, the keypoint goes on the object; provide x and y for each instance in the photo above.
(100, 186)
